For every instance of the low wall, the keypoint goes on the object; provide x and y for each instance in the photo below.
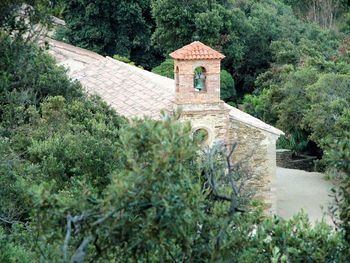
(285, 158)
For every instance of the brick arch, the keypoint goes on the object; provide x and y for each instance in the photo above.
(200, 75)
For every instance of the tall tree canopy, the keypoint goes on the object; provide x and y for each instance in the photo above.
(111, 27)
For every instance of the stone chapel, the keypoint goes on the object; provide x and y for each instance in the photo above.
(134, 92)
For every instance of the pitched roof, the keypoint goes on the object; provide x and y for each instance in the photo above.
(71, 57)
(131, 91)
(196, 50)
(236, 114)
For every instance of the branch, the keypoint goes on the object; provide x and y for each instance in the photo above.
(70, 220)
(67, 238)
(80, 253)
(10, 222)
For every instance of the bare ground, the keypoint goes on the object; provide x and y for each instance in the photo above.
(297, 189)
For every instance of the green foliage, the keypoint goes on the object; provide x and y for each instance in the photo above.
(227, 86)
(296, 141)
(305, 81)
(338, 157)
(330, 102)
(29, 76)
(14, 202)
(154, 207)
(175, 22)
(10, 252)
(78, 182)
(125, 60)
(345, 25)
(166, 68)
(47, 140)
(111, 27)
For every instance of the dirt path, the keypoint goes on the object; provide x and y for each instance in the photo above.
(297, 189)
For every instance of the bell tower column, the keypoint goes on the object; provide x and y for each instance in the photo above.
(197, 78)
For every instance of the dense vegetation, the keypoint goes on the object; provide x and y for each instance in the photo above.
(269, 46)
(80, 183)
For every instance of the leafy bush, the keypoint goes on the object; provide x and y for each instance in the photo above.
(166, 68)
(291, 96)
(12, 252)
(338, 157)
(158, 205)
(227, 86)
(28, 77)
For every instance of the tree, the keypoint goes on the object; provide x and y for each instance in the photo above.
(323, 12)
(166, 68)
(175, 23)
(29, 77)
(227, 86)
(338, 156)
(330, 101)
(25, 20)
(111, 28)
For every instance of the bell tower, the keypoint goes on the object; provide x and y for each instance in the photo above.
(197, 74)
(197, 86)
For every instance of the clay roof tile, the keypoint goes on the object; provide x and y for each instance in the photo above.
(196, 50)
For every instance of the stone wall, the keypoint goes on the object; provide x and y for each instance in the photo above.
(256, 149)
(286, 159)
(213, 117)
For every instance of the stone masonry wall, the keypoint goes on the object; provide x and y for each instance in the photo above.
(257, 148)
(211, 117)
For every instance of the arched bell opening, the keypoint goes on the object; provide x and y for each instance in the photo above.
(199, 79)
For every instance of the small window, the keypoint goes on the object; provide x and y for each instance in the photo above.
(199, 81)
(201, 135)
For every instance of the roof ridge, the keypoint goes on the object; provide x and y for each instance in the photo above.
(258, 123)
(196, 50)
(73, 49)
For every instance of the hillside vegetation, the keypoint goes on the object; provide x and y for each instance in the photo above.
(79, 183)
(282, 55)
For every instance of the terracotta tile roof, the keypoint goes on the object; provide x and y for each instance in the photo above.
(196, 50)
(131, 91)
(241, 116)
(71, 57)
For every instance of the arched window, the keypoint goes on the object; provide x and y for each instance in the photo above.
(199, 81)
(201, 135)
(177, 79)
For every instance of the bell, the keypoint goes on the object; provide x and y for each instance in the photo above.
(199, 81)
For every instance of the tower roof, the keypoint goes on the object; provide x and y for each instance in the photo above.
(196, 50)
